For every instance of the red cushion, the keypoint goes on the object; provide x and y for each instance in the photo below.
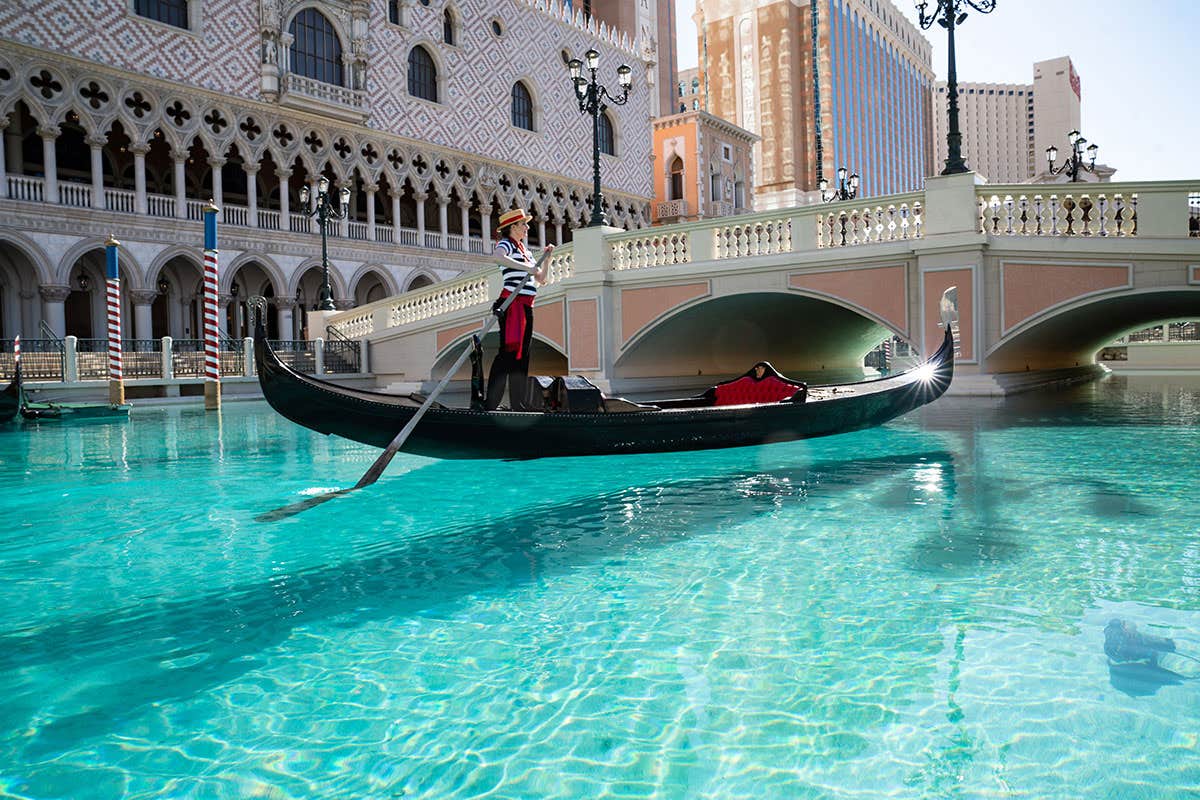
(746, 390)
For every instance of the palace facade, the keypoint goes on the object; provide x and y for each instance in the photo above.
(125, 117)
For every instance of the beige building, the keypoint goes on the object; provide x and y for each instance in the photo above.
(1006, 128)
(836, 83)
(704, 168)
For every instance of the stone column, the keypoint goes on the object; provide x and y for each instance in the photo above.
(285, 212)
(541, 231)
(139, 177)
(96, 143)
(420, 198)
(396, 216)
(465, 207)
(285, 309)
(485, 226)
(370, 189)
(142, 325)
(251, 171)
(3, 169)
(50, 160)
(216, 164)
(14, 150)
(180, 180)
(52, 307)
(443, 220)
(558, 223)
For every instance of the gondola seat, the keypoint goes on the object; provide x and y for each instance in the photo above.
(748, 390)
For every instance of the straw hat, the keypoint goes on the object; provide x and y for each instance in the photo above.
(512, 217)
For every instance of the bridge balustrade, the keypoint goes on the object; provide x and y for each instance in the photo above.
(1059, 214)
(653, 248)
(1126, 210)
(898, 220)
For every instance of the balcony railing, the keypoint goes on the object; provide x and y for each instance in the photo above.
(672, 209)
(300, 92)
(72, 360)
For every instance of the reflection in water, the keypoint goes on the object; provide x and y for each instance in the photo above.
(174, 650)
(1139, 664)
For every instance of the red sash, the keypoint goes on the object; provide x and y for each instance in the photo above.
(512, 338)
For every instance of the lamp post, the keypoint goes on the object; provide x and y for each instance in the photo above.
(948, 14)
(847, 189)
(591, 97)
(1074, 162)
(325, 211)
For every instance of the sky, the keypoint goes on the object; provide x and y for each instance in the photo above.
(1136, 63)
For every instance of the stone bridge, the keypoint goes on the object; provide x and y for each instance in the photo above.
(1046, 275)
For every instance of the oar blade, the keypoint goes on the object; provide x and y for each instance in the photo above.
(299, 506)
(376, 469)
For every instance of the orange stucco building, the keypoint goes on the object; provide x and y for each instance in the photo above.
(703, 167)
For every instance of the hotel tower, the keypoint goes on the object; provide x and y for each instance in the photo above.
(826, 84)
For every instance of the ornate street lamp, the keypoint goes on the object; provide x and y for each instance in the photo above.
(1074, 162)
(948, 14)
(847, 189)
(591, 96)
(325, 212)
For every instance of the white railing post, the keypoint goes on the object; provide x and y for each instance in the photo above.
(951, 205)
(248, 357)
(702, 242)
(1162, 212)
(71, 368)
(319, 357)
(803, 225)
(168, 358)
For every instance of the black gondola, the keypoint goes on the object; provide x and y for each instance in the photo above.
(617, 426)
(10, 398)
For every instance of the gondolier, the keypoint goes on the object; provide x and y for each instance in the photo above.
(510, 368)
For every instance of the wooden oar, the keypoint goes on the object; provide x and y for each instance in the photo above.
(394, 446)
(389, 452)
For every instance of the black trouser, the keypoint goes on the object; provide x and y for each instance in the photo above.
(510, 370)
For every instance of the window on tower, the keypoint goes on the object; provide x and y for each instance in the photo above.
(522, 107)
(607, 140)
(422, 74)
(172, 12)
(316, 51)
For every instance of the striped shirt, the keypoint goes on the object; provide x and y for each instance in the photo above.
(512, 269)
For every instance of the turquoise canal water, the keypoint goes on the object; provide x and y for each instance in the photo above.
(915, 611)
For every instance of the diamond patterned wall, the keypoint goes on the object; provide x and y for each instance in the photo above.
(224, 55)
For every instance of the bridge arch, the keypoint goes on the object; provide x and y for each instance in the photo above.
(1070, 334)
(799, 332)
(546, 358)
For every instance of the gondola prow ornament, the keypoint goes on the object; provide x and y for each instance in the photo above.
(948, 307)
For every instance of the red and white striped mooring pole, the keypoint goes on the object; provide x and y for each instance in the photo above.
(212, 343)
(112, 284)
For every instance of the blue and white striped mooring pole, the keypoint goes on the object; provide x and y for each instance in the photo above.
(112, 286)
(212, 344)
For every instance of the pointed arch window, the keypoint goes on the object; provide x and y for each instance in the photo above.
(316, 51)
(676, 179)
(447, 27)
(172, 12)
(607, 140)
(422, 74)
(522, 107)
